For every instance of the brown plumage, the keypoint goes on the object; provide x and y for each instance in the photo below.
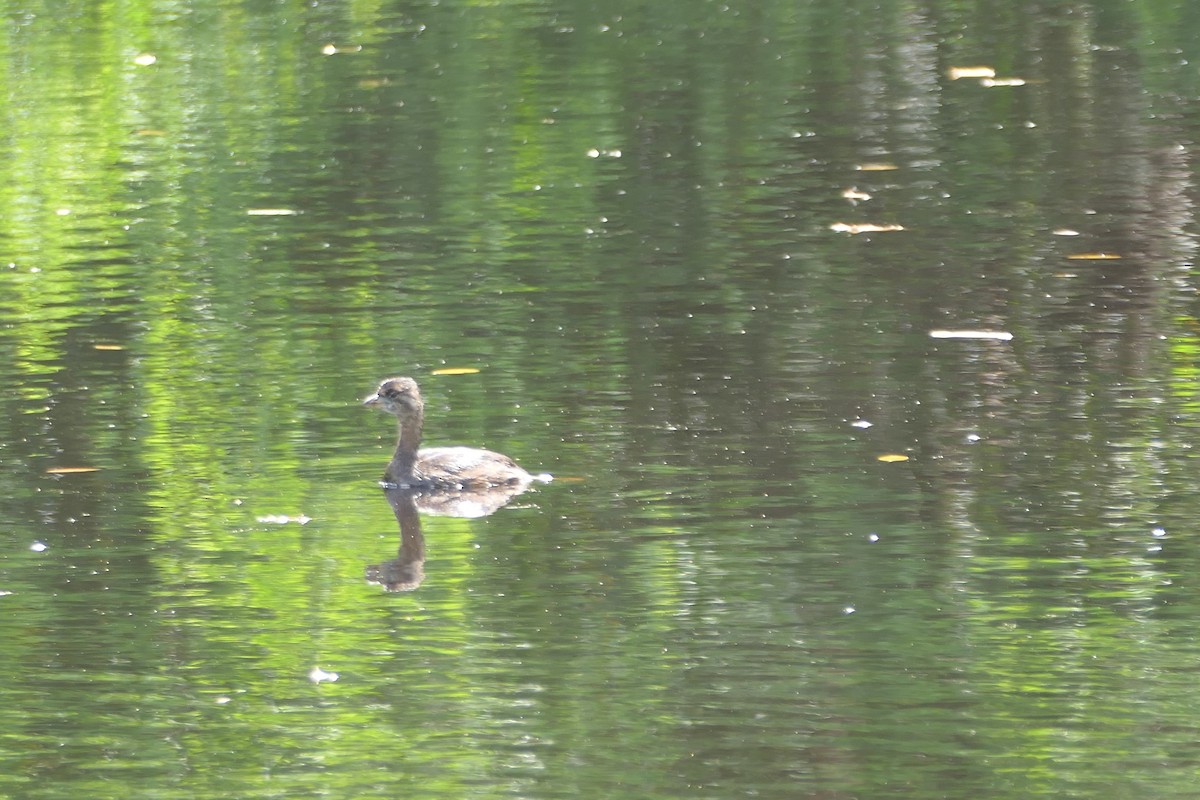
(436, 467)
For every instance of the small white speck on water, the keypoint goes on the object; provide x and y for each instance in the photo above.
(318, 675)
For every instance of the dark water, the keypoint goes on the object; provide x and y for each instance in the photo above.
(631, 221)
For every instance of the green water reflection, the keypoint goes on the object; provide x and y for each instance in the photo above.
(222, 223)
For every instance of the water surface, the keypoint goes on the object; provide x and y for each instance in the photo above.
(795, 546)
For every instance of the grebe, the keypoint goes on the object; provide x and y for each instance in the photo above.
(436, 467)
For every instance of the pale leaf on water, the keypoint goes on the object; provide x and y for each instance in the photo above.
(70, 470)
(271, 212)
(283, 519)
(876, 167)
(99, 346)
(854, 195)
(1065, 232)
(990, 82)
(866, 227)
(1094, 257)
(891, 458)
(999, 336)
(455, 371)
(956, 73)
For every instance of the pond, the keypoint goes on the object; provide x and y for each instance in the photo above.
(861, 341)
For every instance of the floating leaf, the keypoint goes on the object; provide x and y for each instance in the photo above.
(955, 73)
(271, 212)
(1065, 232)
(108, 347)
(284, 519)
(876, 167)
(999, 336)
(70, 470)
(455, 371)
(990, 82)
(891, 458)
(854, 195)
(1094, 257)
(866, 227)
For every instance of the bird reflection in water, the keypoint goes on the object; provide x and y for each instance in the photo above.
(406, 571)
(439, 481)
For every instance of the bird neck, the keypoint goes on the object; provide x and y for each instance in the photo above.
(408, 439)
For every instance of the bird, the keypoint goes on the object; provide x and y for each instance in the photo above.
(436, 468)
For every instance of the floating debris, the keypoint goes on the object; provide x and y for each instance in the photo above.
(990, 82)
(70, 470)
(284, 519)
(318, 675)
(998, 336)
(866, 227)
(455, 371)
(99, 346)
(1094, 257)
(854, 195)
(876, 167)
(144, 59)
(891, 458)
(271, 212)
(1064, 232)
(957, 73)
(38, 547)
(861, 423)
